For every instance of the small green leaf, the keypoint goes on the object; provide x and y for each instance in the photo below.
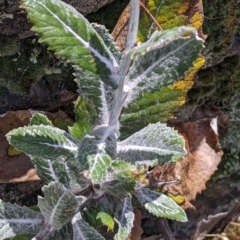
(58, 206)
(51, 170)
(96, 217)
(106, 220)
(38, 119)
(82, 230)
(119, 181)
(70, 35)
(89, 215)
(160, 205)
(108, 40)
(43, 142)
(16, 220)
(98, 165)
(82, 124)
(58, 170)
(154, 142)
(92, 88)
(124, 217)
(96, 150)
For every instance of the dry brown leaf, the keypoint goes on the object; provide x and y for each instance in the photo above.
(18, 168)
(203, 156)
(137, 230)
(120, 31)
(217, 222)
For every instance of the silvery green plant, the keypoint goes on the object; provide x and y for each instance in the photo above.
(91, 177)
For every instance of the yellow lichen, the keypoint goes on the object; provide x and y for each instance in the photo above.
(196, 20)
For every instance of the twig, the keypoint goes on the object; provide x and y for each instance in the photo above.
(151, 16)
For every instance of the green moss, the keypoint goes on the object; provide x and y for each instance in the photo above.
(217, 85)
(8, 46)
(21, 71)
(221, 26)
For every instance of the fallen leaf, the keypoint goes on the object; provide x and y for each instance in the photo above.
(17, 167)
(137, 230)
(218, 222)
(203, 156)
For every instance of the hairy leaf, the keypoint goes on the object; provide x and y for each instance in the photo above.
(16, 220)
(43, 142)
(66, 232)
(82, 124)
(91, 87)
(154, 142)
(124, 217)
(166, 58)
(70, 35)
(82, 230)
(96, 150)
(160, 205)
(50, 170)
(58, 206)
(38, 119)
(58, 171)
(108, 40)
(119, 181)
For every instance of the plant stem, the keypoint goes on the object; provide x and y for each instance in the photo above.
(133, 24)
(118, 94)
(44, 233)
(125, 64)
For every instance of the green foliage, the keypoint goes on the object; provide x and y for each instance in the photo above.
(160, 205)
(162, 64)
(90, 163)
(83, 125)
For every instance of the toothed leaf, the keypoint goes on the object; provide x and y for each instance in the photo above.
(70, 35)
(82, 124)
(156, 143)
(38, 119)
(82, 230)
(43, 142)
(124, 217)
(158, 65)
(96, 150)
(58, 206)
(160, 205)
(16, 220)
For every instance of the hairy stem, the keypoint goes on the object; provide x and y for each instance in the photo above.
(118, 95)
(125, 63)
(44, 233)
(133, 24)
